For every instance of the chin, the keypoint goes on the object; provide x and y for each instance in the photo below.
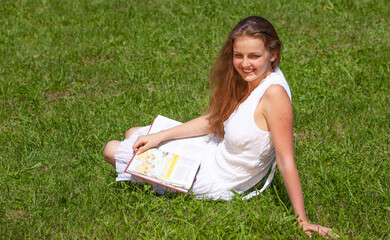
(250, 78)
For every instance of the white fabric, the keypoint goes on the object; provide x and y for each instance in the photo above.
(267, 183)
(125, 152)
(122, 158)
(237, 162)
(245, 155)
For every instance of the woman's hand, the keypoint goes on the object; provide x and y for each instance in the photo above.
(196, 127)
(146, 142)
(308, 228)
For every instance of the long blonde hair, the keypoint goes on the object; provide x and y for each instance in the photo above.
(227, 86)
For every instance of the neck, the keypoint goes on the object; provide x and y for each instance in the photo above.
(252, 85)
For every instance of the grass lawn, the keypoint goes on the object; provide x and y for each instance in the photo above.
(76, 74)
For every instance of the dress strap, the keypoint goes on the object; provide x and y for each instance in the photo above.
(266, 184)
(276, 77)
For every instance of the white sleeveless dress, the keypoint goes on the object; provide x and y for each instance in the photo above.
(237, 162)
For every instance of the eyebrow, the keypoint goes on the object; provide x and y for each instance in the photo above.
(234, 51)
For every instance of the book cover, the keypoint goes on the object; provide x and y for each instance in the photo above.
(173, 164)
(164, 168)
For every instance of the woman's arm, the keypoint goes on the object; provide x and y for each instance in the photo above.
(278, 112)
(196, 127)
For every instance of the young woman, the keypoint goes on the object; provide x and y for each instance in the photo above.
(250, 111)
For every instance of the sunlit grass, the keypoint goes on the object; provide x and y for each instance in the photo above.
(76, 74)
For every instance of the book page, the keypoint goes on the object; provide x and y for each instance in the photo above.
(165, 166)
(173, 163)
(187, 147)
(161, 123)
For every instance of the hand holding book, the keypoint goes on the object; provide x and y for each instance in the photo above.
(146, 142)
(172, 163)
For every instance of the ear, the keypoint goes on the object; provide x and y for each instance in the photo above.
(274, 54)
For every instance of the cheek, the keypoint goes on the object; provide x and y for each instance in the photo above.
(236, 63)
(261, 63)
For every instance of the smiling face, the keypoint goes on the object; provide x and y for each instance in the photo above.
(252, 60)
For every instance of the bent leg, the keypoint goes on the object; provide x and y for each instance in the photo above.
(131, 131)
(109, 151)
(111, 147)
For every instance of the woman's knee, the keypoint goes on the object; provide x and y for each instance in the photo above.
(110, 149)
(131, 131)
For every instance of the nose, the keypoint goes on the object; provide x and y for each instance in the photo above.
(245, 62)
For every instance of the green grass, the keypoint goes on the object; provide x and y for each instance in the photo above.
(76, 74)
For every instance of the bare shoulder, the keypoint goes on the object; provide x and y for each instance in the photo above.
(276, 108)
(275, 91)
(276, 95)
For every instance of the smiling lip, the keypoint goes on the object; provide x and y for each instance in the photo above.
(248, 71)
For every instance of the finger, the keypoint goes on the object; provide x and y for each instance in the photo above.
(312, 228)
(323, 230)
(327, 232)
(143, 148)
(308, 233)
(135, 147)
(138, 143)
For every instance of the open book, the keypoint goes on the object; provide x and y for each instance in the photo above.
(173, 164)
